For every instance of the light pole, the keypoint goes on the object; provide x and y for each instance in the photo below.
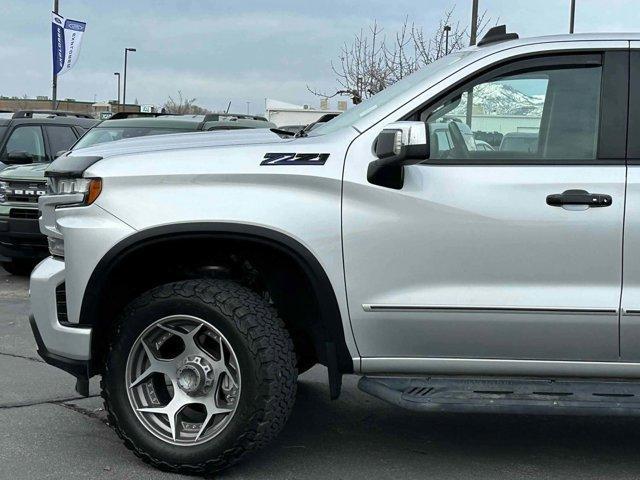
(447, 29)
(472, 41)
(117, 74)
(248, 103)
(572, 17)
(474, 23)
(124, 81)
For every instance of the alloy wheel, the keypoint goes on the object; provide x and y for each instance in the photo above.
(183, 380)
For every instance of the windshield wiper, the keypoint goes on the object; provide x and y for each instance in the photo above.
(301, 133)
(280, 132)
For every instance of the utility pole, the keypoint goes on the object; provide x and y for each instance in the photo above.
(474, 23)
(118, 75)
(124, 81)
(447, 29)
(472, 41)
(572, 17)
(54, 83)
(248, 103)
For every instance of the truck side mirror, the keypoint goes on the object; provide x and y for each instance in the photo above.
(399, 144)
(18, 158)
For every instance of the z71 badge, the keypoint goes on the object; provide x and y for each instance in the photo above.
(294, 158)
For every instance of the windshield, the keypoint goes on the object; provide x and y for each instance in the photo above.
(110, 134)
(388, 95)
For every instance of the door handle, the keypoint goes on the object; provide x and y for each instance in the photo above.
(579, 197)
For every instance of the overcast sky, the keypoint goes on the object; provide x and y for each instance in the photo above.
(241, 50)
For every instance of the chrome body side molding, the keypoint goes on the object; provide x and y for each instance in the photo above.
(498, 367)
(486, 309)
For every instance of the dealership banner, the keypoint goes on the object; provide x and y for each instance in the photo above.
(66, 36)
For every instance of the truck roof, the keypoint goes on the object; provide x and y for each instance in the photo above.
(83, 122)
(577, 37)
(499, 34)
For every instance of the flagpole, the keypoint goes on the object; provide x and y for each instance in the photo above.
(54, 83)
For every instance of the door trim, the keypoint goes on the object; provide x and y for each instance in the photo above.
(487, 366)
(367, 307)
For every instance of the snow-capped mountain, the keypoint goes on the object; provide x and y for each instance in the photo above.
(502, 99)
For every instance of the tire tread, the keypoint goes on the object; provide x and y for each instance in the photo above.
(271, 348)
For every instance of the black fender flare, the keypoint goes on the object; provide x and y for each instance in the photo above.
(338, 359)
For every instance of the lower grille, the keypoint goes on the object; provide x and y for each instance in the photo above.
(32, 241)
(61, 303)
(29, 213)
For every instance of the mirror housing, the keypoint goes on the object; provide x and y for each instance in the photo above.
(402, 143)
(399, 144)
(18, 158)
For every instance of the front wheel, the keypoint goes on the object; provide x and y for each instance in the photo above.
(199, 373)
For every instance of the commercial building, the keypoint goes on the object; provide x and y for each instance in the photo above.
(14, 104)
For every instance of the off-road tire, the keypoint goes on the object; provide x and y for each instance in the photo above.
(265, 354)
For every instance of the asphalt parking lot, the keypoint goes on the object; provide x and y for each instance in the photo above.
(48, 432)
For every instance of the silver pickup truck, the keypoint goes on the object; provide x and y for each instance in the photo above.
(200, 274)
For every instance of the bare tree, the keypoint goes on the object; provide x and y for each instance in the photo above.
(183, 106)
(373, 61)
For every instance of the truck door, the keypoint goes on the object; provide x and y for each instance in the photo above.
(630, 303)
(510, 253)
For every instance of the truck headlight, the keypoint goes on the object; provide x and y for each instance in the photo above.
(64, 192)
(3, 191)
(89, 187)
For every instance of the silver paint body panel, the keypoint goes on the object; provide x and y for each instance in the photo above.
(630, 318)
(630, 301)
(483, 241)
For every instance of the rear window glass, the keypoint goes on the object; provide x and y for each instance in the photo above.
(520, 144)
(60, 137)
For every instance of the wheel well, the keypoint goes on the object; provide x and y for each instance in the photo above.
(284, 273)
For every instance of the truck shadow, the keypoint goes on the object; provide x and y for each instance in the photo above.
(358, 436)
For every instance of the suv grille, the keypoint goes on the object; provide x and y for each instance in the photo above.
(24, 213)
(61, 303)
(25, 192)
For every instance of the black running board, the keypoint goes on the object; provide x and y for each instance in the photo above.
(499, 395)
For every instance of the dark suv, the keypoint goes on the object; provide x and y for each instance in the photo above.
(31, 140)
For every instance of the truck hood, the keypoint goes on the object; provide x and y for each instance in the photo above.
(34, 171)
(177, 141)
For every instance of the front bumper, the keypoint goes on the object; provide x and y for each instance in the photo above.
(63, 345)
(21, 238)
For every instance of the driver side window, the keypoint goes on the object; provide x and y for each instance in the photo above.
(548, 113)
(26, 139)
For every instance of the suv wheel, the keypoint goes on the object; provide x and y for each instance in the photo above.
(198, 373)
(20, 268)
